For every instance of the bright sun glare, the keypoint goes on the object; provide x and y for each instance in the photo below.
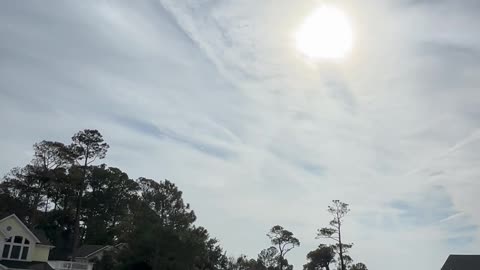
(326, 34)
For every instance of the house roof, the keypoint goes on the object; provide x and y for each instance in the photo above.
(25, 265)
(22, 224)
(462, 262)
(4, 215)
(88, 250)
(39, 235)
(60, 254)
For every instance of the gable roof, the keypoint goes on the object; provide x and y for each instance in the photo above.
(23, 225)
(88, 250)
(25, 265)
(4, 215)
(462, 262)
(38, 235)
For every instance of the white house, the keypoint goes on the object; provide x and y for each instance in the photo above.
(22, 248)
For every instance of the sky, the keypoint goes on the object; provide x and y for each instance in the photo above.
(214, 95)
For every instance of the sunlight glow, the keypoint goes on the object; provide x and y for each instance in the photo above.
(326, 33)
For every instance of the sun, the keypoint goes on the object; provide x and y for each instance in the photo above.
(326, 34)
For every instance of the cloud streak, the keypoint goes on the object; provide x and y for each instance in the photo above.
(214, 96)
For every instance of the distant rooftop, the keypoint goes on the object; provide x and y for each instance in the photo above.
(462, 262)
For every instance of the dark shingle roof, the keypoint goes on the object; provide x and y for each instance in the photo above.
(462, 262)
(60, 254)
(26, 265)
(4, 215)
(86, 250)
(40, 234)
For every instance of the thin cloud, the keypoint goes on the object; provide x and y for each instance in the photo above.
(214, 96)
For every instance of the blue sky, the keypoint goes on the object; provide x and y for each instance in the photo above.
(214, 96)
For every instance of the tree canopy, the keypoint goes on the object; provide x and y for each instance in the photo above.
(284, 241)
(320, 258)
(77, 200)
(338, 210)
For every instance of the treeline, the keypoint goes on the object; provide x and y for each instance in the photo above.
(75, 201)
(283, 241)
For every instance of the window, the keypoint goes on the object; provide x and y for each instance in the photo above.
(15, 254)
(18, 239)
(6, 251)
(24, 253)
(18, 250)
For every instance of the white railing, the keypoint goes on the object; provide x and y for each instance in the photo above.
(66, 265)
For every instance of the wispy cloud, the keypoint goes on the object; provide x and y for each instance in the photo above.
(214, 96)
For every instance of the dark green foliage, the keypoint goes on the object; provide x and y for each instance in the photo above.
(9, 204)
(243, 263)
(269, 258)
(338, 210)
(165, 241)
(320, 258)
(77, 202)
(284, 241)
(359, 266)
(166, 200)
(106, 203)
(87, 146)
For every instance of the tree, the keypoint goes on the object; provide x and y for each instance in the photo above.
(165, 199)
(244, 263)
(213, 256)
(320, 258)
(284, 241)
(9, 204)
(269, 258)
(38, 186)
(26, 185)
(359, 266)
(156, 246)
(63, 192)
(338, 210)
(87, 146)
(51, 155)
(51, 160)
(347, 259)
(161, 234)
(109, 193)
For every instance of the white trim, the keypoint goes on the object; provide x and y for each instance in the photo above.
(44, 245)
(96, 251)
(22, 245)
(3, 266)
(23, 225)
